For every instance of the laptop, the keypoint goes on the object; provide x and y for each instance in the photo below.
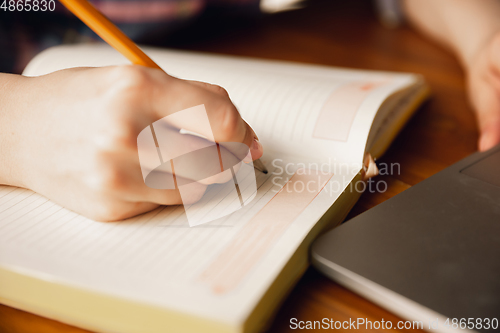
(431, 253)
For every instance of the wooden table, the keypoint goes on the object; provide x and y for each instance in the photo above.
(337, 33)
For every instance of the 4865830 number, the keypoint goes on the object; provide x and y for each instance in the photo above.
(28, 5)
(472, 323)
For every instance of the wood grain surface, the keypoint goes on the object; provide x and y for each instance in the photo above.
(336, 33)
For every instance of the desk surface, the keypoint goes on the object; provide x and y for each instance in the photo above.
(338, 33)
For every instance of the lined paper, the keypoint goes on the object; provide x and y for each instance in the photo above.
(155, 254)
(338, 113)
(260, 233)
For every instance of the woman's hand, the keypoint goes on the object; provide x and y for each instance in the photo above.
(72, 135)
(471, 29)
(483, 75)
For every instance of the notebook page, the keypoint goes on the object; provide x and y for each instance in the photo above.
(217, 270)
(312, 112)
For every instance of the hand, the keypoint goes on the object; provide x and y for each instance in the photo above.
(483, 74)
(72, 135)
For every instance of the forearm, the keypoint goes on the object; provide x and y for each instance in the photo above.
(462, 25)
(11, 114)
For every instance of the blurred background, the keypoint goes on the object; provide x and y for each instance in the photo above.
(188, 24)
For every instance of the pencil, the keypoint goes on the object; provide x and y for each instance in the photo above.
(112, 35)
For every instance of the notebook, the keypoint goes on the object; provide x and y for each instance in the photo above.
(154, 273)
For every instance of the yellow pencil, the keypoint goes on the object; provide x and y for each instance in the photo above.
(111, 34)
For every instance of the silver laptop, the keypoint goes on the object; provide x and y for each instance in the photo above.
(431, 253)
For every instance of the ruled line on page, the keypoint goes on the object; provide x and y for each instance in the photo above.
(251, 244)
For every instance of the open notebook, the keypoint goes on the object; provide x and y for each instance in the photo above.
(153, 273)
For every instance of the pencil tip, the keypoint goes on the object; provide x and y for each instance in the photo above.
(257, 164)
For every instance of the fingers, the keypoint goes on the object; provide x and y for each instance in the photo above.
(484, 94)
(488, 116)
(166, 96)
(490, 135)
(135, 208)
(190, 194)
(112, 212)
(125, 182)
(225, 121)
(129, 186)
(488, 111)
(211, 87)
(192, 156)
(485, 97)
